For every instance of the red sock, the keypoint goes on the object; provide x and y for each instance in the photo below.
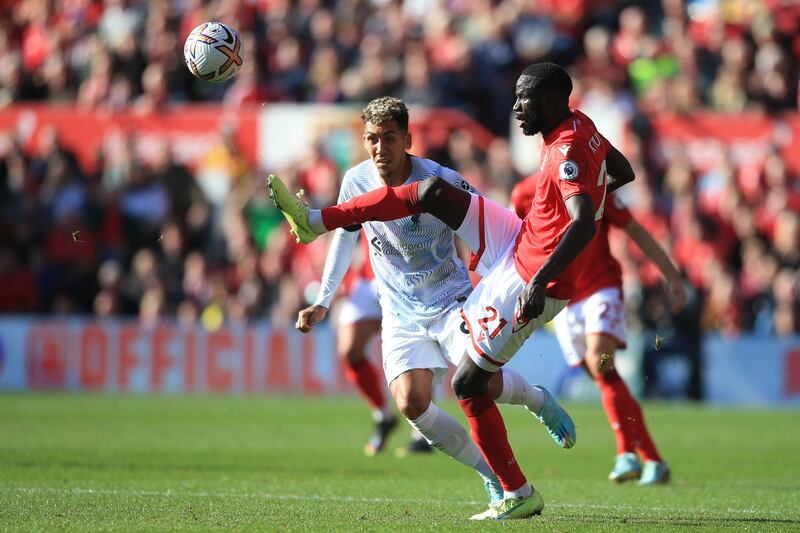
(489, 433)
(386, 203)
(366, 380)
(625, 417)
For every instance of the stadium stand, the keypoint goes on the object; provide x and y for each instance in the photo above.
(159, 239)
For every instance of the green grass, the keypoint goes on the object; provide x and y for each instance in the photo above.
(85, 462)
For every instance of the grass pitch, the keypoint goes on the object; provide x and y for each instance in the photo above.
(86, 462)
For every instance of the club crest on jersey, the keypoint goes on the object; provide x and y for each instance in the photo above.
(568, 170)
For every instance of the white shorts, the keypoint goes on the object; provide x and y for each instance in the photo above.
(409, 345)
(361, 304)
(489, 312)
(601, 313)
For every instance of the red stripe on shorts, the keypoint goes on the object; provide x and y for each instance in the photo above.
(475, 345)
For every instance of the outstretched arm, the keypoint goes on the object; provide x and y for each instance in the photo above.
(340, 255)
(619, 170)
(530, 302)
(654, 251)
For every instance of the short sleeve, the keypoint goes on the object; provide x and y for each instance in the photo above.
(571, 164)
(616, 213)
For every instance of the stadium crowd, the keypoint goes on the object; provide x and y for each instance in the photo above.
(151, 238)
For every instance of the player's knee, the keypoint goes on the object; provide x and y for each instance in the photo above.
(352, 356)
(467, 384)
(598, 362)
(413, 404)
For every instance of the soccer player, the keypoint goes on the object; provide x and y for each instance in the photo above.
(591, 329)
(529, 267)
(359, 321)
(422, 284)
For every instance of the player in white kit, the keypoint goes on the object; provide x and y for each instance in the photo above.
(422, 285)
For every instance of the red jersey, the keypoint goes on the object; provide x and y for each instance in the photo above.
(522, 195)
(573, 162)
(601, 270)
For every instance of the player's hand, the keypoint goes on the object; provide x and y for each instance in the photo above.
(308, 317)
(676, 294)
(530, 302)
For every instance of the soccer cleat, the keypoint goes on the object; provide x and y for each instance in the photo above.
(377, 442)
(513, 508)
(556, 420)
(488, 514)
(655, 473)
(293, 208)
(626, 468)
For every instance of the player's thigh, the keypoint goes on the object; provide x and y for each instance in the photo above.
(452, 335)
(569, 328)
(604, 314)
(412, 391)
(408, 347)
(489, 229)
(495, 334)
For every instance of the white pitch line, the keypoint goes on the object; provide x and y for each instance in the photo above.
(353, 499)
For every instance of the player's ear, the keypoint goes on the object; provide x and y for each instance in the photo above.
(408, 140)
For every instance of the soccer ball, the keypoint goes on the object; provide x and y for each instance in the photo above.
(213, 52)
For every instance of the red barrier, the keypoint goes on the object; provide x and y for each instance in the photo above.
(748, 137)
(190, 130)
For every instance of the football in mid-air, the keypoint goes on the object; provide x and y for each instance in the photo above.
(213, 52)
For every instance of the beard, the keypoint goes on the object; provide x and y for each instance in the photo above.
(531, 124)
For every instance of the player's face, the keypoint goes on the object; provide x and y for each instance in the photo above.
(528, 107)
(387, 145)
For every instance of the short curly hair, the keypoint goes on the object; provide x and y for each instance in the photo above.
(386, 109)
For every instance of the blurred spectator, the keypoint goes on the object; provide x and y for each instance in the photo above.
(153, 237)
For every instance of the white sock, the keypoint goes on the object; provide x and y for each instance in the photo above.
(315, 221)
(523, 492)
(442, 431)
(517, 391)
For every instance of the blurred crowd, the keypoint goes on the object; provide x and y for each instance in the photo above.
(156, 238)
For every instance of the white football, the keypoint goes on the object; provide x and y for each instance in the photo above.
(213, 52)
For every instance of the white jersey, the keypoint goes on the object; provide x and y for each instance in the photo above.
(419, 274)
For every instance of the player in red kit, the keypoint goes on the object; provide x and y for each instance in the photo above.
(591, 329)
(529, 268)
